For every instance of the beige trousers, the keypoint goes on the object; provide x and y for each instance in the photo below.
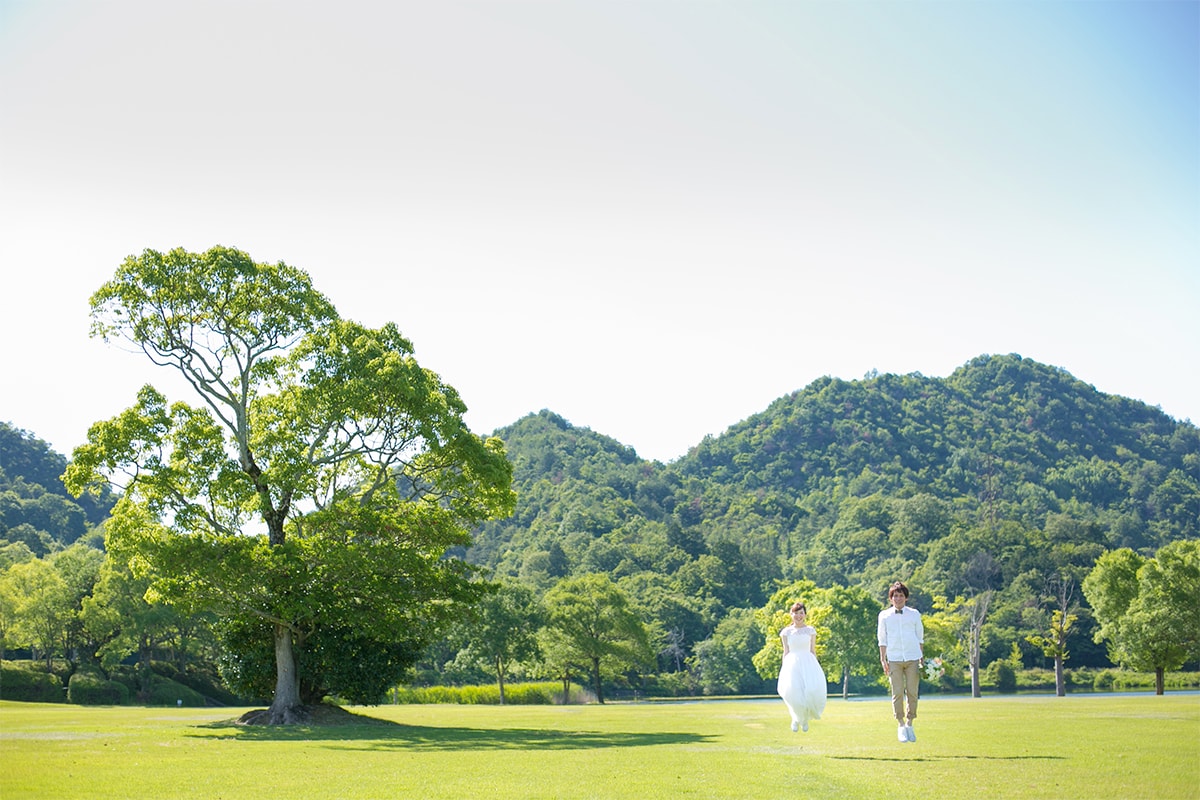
(905, 678)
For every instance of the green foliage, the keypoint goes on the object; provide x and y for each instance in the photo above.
(1007, 463)
(846, 623)
(1001, 675)
(317, 488)
(593, 624)
(347, 662)
(35, 507)
(1145, 606)
(857, 483)
(28, 683)
(725, 660)
(501, 630)
(90, 689)
(539, 693)
(166, 692)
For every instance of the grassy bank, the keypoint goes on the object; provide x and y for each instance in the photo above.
(1094, 746)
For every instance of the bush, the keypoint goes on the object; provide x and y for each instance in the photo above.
(207, 685)
(1104, 680)
(1036, 680)
(673, 684)
(542, 693)
(88, 689)
(28, 684)
(1001, 675)
(166, 692)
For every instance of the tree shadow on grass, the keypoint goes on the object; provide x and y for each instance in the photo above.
(377, 734)
(948, 758)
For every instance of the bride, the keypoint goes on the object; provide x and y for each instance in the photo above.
(801, 679)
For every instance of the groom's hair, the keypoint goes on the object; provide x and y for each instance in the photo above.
(897, 587)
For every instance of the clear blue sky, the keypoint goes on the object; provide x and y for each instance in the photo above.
(653, 218)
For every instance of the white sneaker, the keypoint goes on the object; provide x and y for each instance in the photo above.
(908, 731)
(804, 726)
(795, 726)
(902, 733)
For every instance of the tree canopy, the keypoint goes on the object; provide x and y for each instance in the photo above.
(316, 489)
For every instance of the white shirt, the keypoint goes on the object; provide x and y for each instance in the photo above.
(902, 633)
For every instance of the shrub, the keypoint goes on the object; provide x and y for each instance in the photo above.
(207, 685)
(673, 684)
(1036, 679)
(166, 692)
(1001, 675)
(29, 684)
(543, 693)
(88, 689)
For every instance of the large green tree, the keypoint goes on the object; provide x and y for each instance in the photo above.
(322, 479)
(1145, 606)
(847, 618)
(592, 620)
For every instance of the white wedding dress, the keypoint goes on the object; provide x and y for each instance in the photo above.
(801, 679)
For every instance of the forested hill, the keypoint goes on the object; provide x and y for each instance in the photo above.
(1008, 474)
(857, 483)
(1003, 436)
(35, 507)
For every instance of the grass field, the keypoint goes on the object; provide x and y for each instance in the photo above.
(1087, 747)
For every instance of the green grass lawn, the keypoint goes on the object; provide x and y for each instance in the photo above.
(1085, 746)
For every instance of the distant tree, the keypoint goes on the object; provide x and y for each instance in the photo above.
(592, 620)
(121, 622)
(1145, 607)
(980, 575)
(320, 485)
(502, 629)
(771, 618)
(724, 661)
(845, 619)
(1110, 589)
(1053, 644)
(79, 565)
(1061, 589)
(41, 606)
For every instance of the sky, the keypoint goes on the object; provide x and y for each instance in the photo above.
(652, 218)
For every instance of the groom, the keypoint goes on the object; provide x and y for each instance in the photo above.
(902, 652)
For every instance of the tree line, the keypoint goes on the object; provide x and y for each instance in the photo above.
(325, 516)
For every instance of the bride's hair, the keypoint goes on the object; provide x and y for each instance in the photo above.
(796, 606)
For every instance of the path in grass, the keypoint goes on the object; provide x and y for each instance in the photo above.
(1092, 746)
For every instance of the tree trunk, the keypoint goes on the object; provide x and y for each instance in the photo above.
(1158, 680)
(500, 677)
(1060, 679)
(975, 690)
(596, 679)
(145, 671)
(286, 708)
(845, 683)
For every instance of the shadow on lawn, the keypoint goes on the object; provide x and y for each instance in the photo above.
(949, 758)
(376, 734)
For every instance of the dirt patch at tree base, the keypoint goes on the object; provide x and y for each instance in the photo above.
(320, 715)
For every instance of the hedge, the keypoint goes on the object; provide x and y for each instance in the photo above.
(542, 693)
(88, 689)
(29, 685)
